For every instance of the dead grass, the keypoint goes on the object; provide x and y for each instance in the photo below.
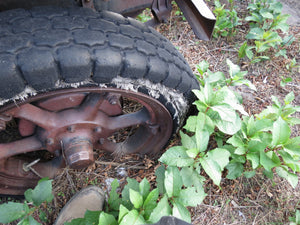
(258, 200)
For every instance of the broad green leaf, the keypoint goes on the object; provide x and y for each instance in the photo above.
(249, 174)
(133, 218)
(290, 161)
(208, 93)
(266, 14)
(41, 193)
(122, 212)
(187, 141)
(233, 69)
(255, 33)
(276, 101)
(254, 159)
(150, 203)
(266, 161)
(259, 143)
(258, 125)
(235, 170)
(290, 177)
(202, 67)
(180, 211)
(92, 217)
(114, 198)
(244, 82)
(281, 132)
(214, 166)
(236, 141)
(144, 188)
(249, 52)
(107, 219)
(11, 211)
(162, 209)
(191, 196)
(289, 98)
(32, 221)
(202, 139)
(131, 184)
(221, 156)
(190, 124)
(173, 181)
(191, 178)
(229, 127)
(78, 221)
(225, 95)
(293, 146)
(242, 50)
(268, 174)
(215, 79)
(135, 198)
(176, 156)
(193, 152)
(160, 179)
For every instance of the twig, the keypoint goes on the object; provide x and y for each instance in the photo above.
(121, 164)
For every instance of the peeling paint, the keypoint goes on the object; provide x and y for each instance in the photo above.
(173, 97)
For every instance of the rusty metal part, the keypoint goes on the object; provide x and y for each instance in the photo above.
(161, 9)
(199, 16)
(90, 118)
(79, 152)
(196, 12)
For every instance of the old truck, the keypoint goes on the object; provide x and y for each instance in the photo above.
(82, 75)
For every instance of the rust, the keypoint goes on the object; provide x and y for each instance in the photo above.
(161, 10)
(72, 132)
(79, 152)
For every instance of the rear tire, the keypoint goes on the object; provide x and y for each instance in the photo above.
(46, 52)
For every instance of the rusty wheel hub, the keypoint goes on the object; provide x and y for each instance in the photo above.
(69, 124)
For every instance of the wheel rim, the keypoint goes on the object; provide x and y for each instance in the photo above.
(70, 123)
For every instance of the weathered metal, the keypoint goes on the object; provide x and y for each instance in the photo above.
(69, 124)
(196, 12)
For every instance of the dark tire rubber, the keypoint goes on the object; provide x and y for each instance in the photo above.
(49, 48)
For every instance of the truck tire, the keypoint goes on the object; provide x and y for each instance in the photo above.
(47, 52)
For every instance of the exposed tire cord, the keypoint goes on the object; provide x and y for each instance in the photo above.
(45, 45)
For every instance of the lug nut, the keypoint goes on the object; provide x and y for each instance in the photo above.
(49, 141)
(98, 129)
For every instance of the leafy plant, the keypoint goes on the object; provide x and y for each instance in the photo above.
(265, 21)
(226, 20)
(144, 16)
(41, 194)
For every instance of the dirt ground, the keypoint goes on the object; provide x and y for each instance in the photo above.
(242, 201)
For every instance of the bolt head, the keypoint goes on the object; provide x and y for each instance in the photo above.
(98, 129)
(71, 129)
(49, 141)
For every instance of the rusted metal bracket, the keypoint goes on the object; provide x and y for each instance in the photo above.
(161, 10)
(199, 16)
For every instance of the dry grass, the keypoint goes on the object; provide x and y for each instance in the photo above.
(258, 200)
